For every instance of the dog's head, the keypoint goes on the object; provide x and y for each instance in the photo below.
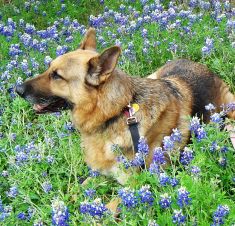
(71, 77)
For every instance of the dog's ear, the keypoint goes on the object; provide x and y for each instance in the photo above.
(100, 67)
(89, 41)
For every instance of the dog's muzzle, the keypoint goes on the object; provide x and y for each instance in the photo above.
(42, 103)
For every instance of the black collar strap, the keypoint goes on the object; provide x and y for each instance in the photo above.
(132, 123)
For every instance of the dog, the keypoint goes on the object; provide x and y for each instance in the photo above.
(97, 92)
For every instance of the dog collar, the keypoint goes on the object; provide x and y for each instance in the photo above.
(132, 123)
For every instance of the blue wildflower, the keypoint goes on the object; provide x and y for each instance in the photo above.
(22, 216)
(93, 173)
(60, 50)
(216, 118)
(219, 215)
(154, 168)
(224, 149)
(163, 179)
(143, 150)
(214, 146)
(174, 182)
(60, 213)
(165, 201)
(176, 136)
(183, 198)
(194, 124)
(152, 223)
(168, 144)
(186, 156)
(146, 195)
(178, 217)
(222, 161)
(90, 193)
(5, 211)
(143, 146)
(158, 156)
(95, 209)
(128, 197)
(13, 192)
(195, 170)
(210, 107)
(201, 134)
(46, 186)
(122, 159)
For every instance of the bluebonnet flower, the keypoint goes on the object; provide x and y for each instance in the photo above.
(126, 163)
(46, 186)
(219, 215)
(12, 136)
(21, 157)
(5, 173)
(214, 146)
(13, 192)
(5, 211)
(222, 161)
(146, 195)
(216, 118)
(143, 150)
(178, 217)
(210, 107)
(138, 160)
(47, 60)
(50, 159)
(24, 65)
(201, 134)
(154, 168)
(195, 170)
(15, 50)
(143, 146)
(152, 223)
(168, 144)
(29, 28)
(90, 193)
(206, 50)
(165, 201)
(186, 156)
(60, 213)
(176, 136)
(174, 182)
(224, 149)
(158, 156)
(69, 126)
(163, 179)
(93, 173)
(194, 124)
(22, 216)
(60, 50)
(95, 209)
(183, 198)
(38, 222)
(128, 197)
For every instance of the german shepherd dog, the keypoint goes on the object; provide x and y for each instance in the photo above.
(97, 92)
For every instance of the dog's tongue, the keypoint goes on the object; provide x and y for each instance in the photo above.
(39, 107)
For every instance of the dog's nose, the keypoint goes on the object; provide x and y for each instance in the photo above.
(20, 89)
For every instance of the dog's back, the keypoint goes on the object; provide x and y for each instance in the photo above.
(206, 87)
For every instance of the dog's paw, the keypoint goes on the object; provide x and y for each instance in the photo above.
(113, 206)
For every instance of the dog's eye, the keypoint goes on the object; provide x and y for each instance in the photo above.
(55, 76)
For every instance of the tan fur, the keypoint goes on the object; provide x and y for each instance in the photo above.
(99, 92)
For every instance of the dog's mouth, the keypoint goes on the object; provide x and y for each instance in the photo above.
(58, 104)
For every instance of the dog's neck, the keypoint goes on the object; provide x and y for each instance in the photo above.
(107, 103)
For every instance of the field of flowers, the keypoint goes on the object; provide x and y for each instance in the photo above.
(41, 162)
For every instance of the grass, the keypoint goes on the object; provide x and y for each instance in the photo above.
(55, 155)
